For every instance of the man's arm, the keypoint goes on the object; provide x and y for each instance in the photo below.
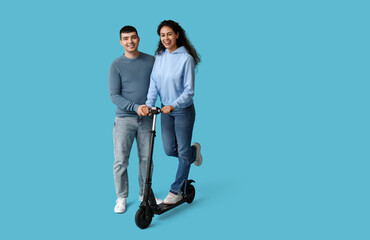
(114, 85)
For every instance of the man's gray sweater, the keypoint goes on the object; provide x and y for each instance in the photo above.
(128, 82)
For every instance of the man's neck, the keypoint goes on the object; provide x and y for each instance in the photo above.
(132, 54)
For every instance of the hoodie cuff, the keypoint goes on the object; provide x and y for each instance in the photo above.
(175, 105)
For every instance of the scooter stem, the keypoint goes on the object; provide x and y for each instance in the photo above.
(148, 181)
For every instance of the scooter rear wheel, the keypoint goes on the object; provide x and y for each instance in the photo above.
(190, 193)
(142, 220)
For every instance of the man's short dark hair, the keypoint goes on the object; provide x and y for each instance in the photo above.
(127, 29)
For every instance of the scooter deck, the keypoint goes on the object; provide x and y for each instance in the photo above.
(162, 208)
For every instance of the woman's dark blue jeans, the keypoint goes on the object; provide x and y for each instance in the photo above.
(177, 130)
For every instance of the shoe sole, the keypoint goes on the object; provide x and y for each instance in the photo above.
(198, 155)
(174, 202)
(120, 212)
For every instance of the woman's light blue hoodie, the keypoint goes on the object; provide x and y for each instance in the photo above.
(173, 79)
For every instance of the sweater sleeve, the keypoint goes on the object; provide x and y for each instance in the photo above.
(189, 75)
(115, 86)
(153, 90)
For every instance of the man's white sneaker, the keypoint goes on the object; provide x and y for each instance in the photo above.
(157, 200)
(173, 198)
(198, 157)
(120, 205)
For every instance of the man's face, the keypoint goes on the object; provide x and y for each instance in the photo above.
(130, 41)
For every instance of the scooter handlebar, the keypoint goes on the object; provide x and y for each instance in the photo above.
(155, 110)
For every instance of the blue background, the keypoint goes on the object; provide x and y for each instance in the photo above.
(282, 100)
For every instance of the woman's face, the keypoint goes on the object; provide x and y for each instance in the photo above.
(168, 38)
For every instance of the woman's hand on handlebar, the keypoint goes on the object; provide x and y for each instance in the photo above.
(167, 109)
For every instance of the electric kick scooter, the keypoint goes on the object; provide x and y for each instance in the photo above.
(148, 206)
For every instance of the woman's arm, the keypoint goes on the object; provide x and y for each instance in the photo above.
(153, 90)
(187, 95)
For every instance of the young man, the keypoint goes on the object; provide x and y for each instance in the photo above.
(128, 81)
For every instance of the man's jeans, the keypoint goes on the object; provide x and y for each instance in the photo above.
(125, 130)
(177, 130)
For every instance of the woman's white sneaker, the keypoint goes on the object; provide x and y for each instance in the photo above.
(173, 198)
(120, 205)
(198, 156)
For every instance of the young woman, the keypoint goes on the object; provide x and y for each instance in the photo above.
(172, 79)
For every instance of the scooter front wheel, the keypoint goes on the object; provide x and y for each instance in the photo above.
(142, 219)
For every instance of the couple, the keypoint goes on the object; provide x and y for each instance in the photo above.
(135, 81)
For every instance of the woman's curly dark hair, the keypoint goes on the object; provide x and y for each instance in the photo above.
(181, 41)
